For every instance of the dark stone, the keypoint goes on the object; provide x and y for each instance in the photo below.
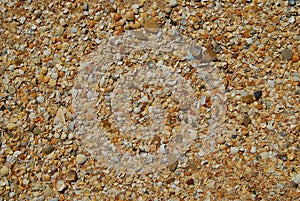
(257, 95)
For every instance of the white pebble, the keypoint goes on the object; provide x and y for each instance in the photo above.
(81, 159)
(234, 150)
(253, 150)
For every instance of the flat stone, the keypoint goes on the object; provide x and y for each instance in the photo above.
(296, 179)
(81, 159)
(11, 126)
(287, 54)
(150, 25)
(248, 99)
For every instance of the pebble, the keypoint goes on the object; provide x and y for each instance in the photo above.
(257, 95)
(150, 25)
(190, 181)
(72, 175)
(60, 117)
(287, 54)
(264, 155)
(129, 16)
(253, 150)
(296, 179)
(234, 150)
(11, 126)
(60, 185)
(4, 171)
(173, 3)
(271, 83)
(81, 159)
(248, 99)
(48, 149)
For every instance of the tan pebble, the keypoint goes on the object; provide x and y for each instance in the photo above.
(46, 79)
(11, 126)
(52, 82)
(60, 116)
(129, 15)
(150, 25)
(248, 170)
(172, 162)
(291, 156)
(4, 171)
(81, 159)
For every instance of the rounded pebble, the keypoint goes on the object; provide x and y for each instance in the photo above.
(287, 54)
(4, 171)
(81, 159)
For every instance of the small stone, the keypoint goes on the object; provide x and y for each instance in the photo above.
(295, 58)
(60, 117)
(59, 31)
(271, 83)
(292, 2)
(116, 17)
(170, 180)
(72, 175)
(11, 126)
(172, 162)
(150, 25)
(253, 150)
(296, 179)
(257, 95)
(173, 3)
(172, 167)
(74, 30)
(129, 16)
(60, 185)
(37, 13)
(246, 121)
(248, 170)
(264, 155)
(248, 99)
(4, 171)
(234, 150)
(190, 181)
(48, 149)
(140, 35)
(287, 54)
(81, 159)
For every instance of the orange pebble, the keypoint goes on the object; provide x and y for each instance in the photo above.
(295, 58)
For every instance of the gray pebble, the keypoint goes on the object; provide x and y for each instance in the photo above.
(287, 54)
(173, 3)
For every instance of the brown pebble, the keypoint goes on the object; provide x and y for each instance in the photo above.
(170, 180)
(48, 149)
(72, 175)
(150, 25)
(246, 121)
(172, 167)
(190, 181)
(248, 99)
